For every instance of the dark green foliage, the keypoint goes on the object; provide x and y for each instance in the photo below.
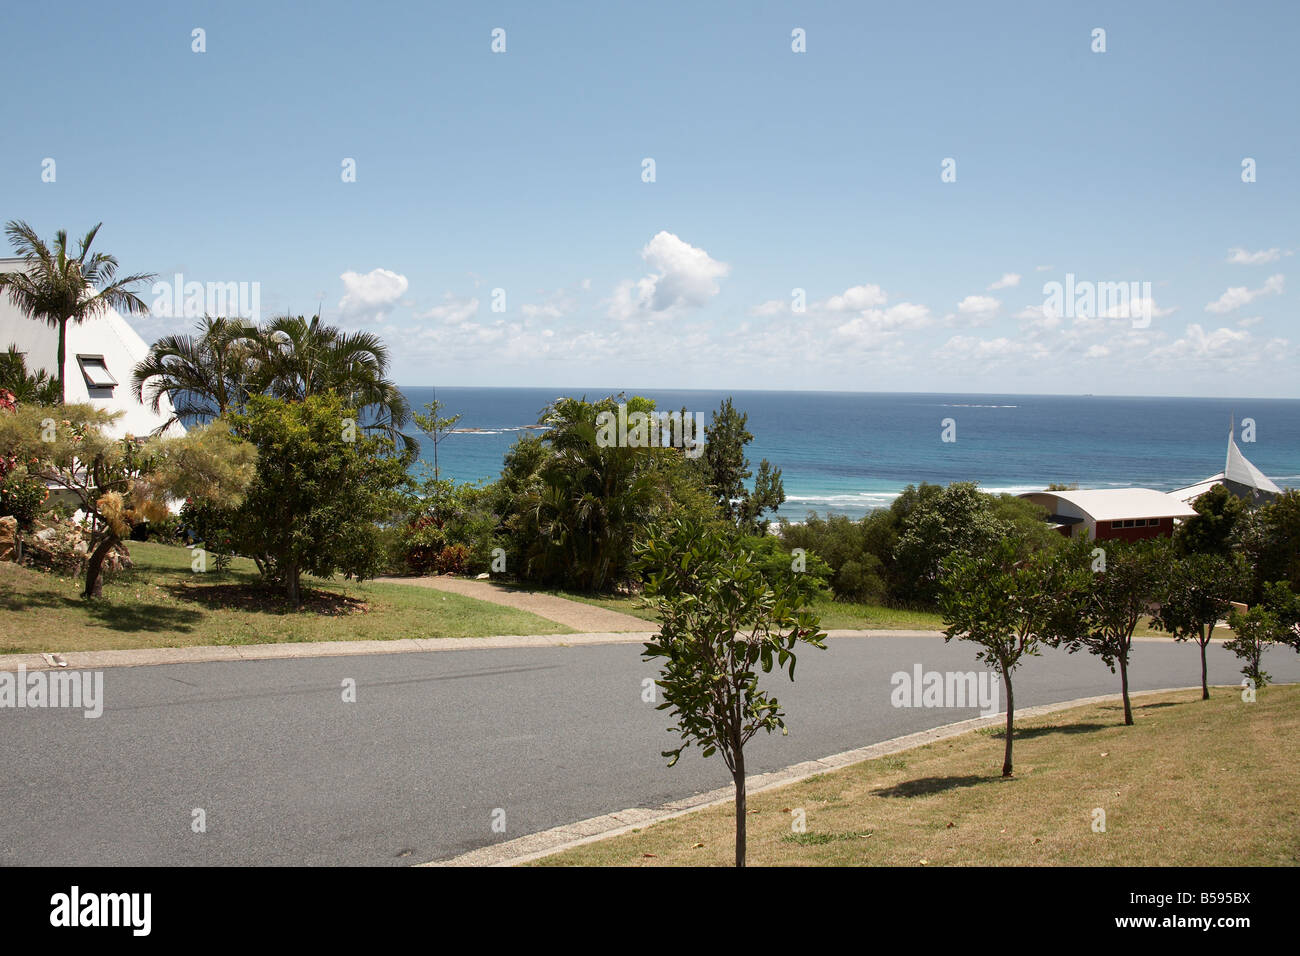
(726, 469)
(36, 388)
(723, 621)
(1008, 604)
(1199, 593)
(1128, 577)
(854, 570)
(318, 498)
(1274, 621)
(22, 497)
(1211, 532)
(895, 556)
(1269, 539)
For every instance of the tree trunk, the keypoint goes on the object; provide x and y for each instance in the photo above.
(1011, 716)
(1123, 683)
(1205, 687)
(291, 584)
(94, 568)
(741, 814)
(63, 355)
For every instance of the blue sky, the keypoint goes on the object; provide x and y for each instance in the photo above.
(774, 171)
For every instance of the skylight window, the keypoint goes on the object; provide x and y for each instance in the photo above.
(95, 371)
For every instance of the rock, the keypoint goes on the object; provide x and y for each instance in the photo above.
(8, 538)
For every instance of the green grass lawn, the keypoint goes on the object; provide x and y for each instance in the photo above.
(1192, 783)
(162, 603)
(835, 615)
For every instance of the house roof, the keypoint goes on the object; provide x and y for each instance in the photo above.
(1116, 504)
(105, 343)
(1239, 474)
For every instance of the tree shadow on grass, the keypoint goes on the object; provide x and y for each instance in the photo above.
(115, 616)
(140, 617)
(32, 600)
(1165, 703)
(1029, 733)
(923, 786)
(258, 599)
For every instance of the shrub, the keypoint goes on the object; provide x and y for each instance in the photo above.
(453, 559)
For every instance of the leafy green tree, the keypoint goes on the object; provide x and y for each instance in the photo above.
(1009, 604)
(1198, 594)
(723, 621)
(119, 482)
(1211, 531)
(726, 470)
(573, 504)
(1269, 540)
(321, 490)
(436, 426)
(57, 287)
(1131, 580)
(1275, 621)
(36, 388)
(935, 523)
(855, 570)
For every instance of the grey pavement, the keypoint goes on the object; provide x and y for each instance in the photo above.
(289, 773)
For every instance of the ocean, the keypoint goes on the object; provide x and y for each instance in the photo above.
(852, 452)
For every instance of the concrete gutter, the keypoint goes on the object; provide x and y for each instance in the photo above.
(95, 660)
(535, 846)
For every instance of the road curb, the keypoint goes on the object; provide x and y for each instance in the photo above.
(144, 657)
(534, 846)
(148, 656)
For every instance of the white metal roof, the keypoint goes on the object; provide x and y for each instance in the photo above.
(1117, 504)
(108, 337)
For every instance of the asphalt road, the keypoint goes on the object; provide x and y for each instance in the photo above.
(287, 772)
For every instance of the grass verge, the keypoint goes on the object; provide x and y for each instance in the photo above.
(161, 602)
(1193, 783)
(835, 615)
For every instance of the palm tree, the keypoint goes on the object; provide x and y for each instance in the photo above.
(34, 388)
(293, 358)
(204, 375)
(298, 358)
(58, 288)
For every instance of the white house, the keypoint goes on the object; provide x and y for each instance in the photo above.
(1129, 513)
(101, 354)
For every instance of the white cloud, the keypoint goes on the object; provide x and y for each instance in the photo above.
(1219, 345)
(991, 352)
(371, 294)
(1250, 322)
(1237, 296)
(874, 325)
(1139, 307)
(1096, 351)
(684, 277)
(770, 307)
(545, 310)
(857, 298)
(1242, 257)
(1009, 280)
(454, 311)
(980, 306)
